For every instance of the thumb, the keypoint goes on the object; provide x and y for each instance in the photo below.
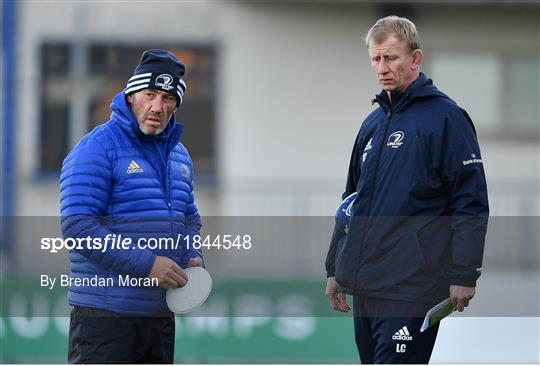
(195, 262)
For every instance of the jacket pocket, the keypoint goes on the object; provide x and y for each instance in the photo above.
(434, 240)
(396, 264)
(346, 262)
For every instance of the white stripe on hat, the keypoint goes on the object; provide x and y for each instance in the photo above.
(179, 89)
(135, 88)
(182, 84)
(133, 83)
(135, 77)
(406, 330)
(180, 95)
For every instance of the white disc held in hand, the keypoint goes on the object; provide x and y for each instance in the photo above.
(182, 300)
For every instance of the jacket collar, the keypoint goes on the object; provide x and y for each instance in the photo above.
(422, 87)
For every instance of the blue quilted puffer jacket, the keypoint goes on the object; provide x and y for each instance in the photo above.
(119, 181)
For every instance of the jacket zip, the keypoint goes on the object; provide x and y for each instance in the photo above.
(389, 117)
(167, 190)
(370, 202)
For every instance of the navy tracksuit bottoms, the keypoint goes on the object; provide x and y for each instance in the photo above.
(388, 331)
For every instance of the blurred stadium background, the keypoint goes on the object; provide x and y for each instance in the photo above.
(276, 94)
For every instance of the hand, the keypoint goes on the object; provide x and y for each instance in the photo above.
(168, 273)
(338, 300)
(460, 296)
(195, 262)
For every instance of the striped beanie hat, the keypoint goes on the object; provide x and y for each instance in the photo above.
(158, 69)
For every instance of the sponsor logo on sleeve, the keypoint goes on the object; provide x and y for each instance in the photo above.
(472, 160)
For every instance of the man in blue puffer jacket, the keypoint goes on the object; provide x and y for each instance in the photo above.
(130, 177)
(418, 224)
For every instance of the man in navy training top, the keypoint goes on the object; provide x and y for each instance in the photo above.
(131, 177)
(417, 225)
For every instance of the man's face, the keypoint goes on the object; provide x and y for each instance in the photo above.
(153, 109)
(396, 67)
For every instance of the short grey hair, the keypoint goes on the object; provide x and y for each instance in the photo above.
(403, 28)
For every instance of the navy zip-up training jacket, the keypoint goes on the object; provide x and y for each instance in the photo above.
(419, 221)
(119, 181)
